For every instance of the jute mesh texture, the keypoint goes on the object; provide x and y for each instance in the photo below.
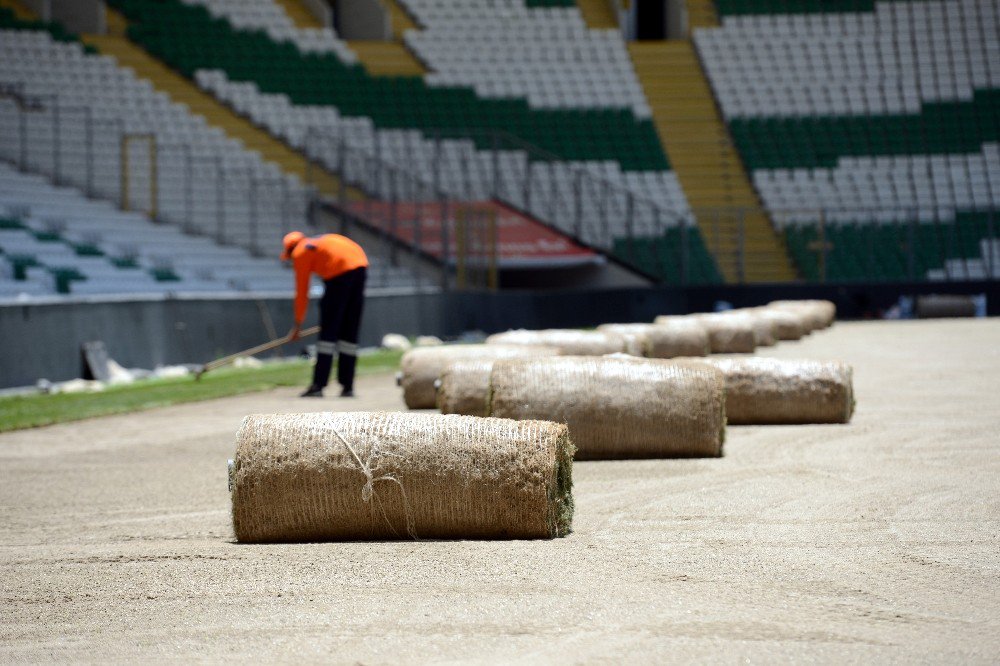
(762, 391)
(420, 368)
(729, 334)
(570, 341)
(617, 407)
(667, 340)
(399, 475)
(815, 314)
(785, 325)
(465, 386)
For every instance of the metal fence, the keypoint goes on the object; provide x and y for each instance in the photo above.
(423, 198)
(176, 183)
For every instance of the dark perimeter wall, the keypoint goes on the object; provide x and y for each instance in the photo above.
(43, 340)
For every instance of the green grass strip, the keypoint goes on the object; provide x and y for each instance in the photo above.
(30, 411)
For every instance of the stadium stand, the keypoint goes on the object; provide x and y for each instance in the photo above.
(414, 123)
(54, 240)
(76, 87)
(866, 116)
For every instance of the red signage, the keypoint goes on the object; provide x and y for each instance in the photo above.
(474, 228)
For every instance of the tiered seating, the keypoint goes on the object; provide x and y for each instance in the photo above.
(188, 38)
(268, 17)
(863, 113)
(402, 120)
(55, 240)
(505, 50)
(73, 88)
(861, 251)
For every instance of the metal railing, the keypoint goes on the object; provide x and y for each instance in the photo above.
(427, 205)
(178, 183)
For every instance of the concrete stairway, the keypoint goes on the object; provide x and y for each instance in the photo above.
(182, 90)
(20, 11)
(390, 58)
(301, 17)
(387, 58)
(701, 14)
(597, 14)
(400, 19)
(710, 171)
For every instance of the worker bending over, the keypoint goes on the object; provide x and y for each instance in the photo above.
(343, 267)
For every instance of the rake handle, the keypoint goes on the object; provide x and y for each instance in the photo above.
(257, 350)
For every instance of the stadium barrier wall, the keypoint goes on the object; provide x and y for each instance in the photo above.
(43, 340)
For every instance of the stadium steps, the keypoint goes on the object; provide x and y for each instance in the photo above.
(400, 19)
(20, 11)
(387, 58)
(185, 92)
(301, 17)
(597, 14)
(702, 14)
(698, 146)
(390, 58)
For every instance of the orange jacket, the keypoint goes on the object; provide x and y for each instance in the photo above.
(327, 256)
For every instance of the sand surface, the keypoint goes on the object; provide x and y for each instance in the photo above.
(879, 540)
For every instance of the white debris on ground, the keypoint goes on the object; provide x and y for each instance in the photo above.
(247, 362)
(395, 342)
(428, 341)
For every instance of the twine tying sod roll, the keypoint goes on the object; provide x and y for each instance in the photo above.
(319, 477)
(368, 490)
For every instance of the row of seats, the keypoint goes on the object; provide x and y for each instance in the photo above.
(267, 16)
(412, 141)
(455, 166)
(862, 251)
(549, 57)
(862, 112)
(81, 107)
(189, 40)
(56, 240)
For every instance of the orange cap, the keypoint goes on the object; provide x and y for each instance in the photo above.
(289, 242)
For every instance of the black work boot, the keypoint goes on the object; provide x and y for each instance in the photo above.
(312, 392)
(347, 392)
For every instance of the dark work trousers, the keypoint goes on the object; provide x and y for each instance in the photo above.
(339, 321)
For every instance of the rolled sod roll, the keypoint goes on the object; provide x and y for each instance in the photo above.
(663, 341)
(774, 391)
(729, 334)
(617, 407)
(465, 385)
(944, 305)
(361, 475)
(763, 329)
(784, 324)
(420, 368)
(815, 315)
(570, 341)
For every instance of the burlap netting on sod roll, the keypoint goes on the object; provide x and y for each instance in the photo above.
(729, 333)
(665, 340)
(465, 386)
(617, 407)
(360, 475)
(763, 328)
(815, 314)
(420, 368)
(774, 391)
(570, 341)
(785, 325)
